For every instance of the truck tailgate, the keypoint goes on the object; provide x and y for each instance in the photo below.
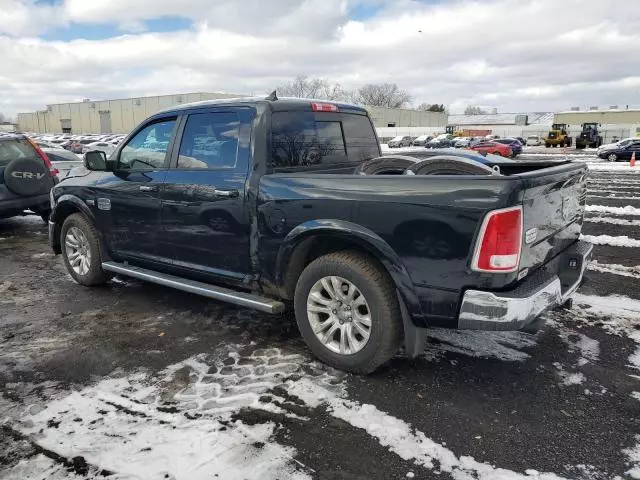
(553, 211)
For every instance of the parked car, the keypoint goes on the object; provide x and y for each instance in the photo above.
(616, 145)
(421, 141)
(77, 146)
(534, 141)
(26, 177)
(443, 140)
(623, 153)
(494, 148)
(462, 142)
(514, 144)
(522, 141)
(63, 160)
(400, 141)
(42, 144)
(105, 147)
(227, 207)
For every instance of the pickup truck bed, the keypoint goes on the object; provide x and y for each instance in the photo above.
(282, 222)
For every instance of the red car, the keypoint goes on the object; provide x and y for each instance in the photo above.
(493, 148)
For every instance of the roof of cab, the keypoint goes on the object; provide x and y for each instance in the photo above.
(280, 104)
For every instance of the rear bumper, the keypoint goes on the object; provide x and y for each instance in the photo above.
(548, 287)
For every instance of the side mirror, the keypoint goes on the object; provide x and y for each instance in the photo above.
(95, 160)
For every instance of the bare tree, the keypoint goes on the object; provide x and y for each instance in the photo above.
(3, 118)
(431, 107)
(383, 95)
(474, 110)
(305, 87)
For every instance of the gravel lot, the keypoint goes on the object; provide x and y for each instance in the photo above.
(138, 381)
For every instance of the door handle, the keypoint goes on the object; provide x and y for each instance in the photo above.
(148, 188)
(227, 193)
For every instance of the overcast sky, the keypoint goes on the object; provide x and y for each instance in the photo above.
(516, 55)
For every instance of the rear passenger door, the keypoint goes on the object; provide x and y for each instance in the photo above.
(204, 220)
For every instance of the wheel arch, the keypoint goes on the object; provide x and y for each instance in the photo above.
(67, 205)
(315, 238)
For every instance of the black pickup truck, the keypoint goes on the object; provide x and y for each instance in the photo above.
(264, 203)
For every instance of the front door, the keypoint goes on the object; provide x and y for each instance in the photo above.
(204, 219)
(128, 200)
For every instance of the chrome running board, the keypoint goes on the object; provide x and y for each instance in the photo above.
(199, 288)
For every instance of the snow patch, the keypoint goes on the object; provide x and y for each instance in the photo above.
(403, 440)
(618, 167)
(614, 196)
(41, 467)
(634, 459)
(613, 221)
(588, 348)
(181, 422)
(627, 210)
(620, 241)
(614, 269)
(569, 378)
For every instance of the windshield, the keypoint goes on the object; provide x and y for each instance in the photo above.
(442, 136)
(422, 137)
(397, 139)
(533, 137)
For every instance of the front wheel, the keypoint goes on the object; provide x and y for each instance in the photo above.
(612, 157)
(81, 251)
(347, 311)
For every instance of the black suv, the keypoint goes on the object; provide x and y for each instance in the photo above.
(26, 177)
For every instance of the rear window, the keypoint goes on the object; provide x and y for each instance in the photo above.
(306, 140)
(15, 149)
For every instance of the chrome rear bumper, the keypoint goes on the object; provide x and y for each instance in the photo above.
(549, 287)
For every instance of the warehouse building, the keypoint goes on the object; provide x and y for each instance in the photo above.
(121, 116)
(614, 123)
(105, 116)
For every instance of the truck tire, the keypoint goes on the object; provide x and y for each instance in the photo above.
(81, 251)
(569, 141)
(547, 145)
(387, 165)
(347, 311)
(448, 165)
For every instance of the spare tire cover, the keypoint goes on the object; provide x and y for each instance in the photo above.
(27, 177)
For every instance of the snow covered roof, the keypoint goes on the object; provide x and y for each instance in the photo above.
(534, 118)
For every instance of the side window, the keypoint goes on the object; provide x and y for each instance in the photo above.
(300, 140)
(210, 141)
(362, 143)
(148, 148)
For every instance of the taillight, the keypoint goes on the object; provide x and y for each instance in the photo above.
(44, 157)
(500, 242)
(324, 107)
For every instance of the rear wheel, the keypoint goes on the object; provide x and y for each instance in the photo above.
(347, 311)
(81, 251)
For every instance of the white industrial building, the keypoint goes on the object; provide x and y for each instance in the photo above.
(122, 115)
(105, 116)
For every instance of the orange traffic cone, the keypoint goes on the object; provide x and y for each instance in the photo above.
(632, 163)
